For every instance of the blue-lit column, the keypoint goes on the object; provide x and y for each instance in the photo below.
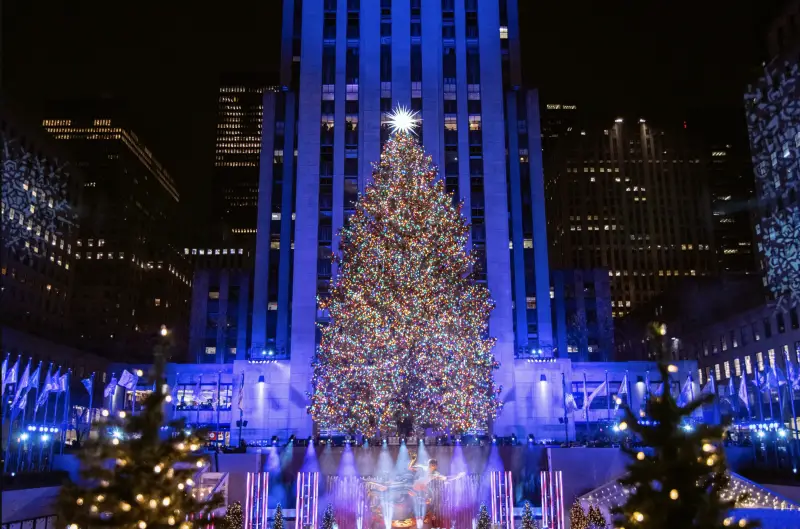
(222, 318)
(518, 252)
(261, 276)
(462, 122)
(514, 70)
(498, 261)
(541, 263)
(287, 37)
(369, 97)
(432, 120)
(304, 284)
(242, 323)
(337, 214)
(287, 208)
(401, 52)
(199, 315)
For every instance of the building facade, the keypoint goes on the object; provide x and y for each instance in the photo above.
(732, 192)
(42, 193)
(629, 197)
(345, 66)
(132, 279)
(582, 323)
(772, 106)
(237, 155)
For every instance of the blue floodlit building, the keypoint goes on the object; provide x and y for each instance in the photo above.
(344, 66)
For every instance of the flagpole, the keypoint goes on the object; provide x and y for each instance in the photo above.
(219, 382)
(91, 401)
(48, 380)
(24, 405)
(3, 419)
(66, 413)
(241, 411)
(55, 418)
(197, 399)
(15, 403)
(586, 406)
(564, 392)
(35, 400)
(111, 396)
(608, 398)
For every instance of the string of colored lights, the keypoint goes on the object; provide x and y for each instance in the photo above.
(408, 334)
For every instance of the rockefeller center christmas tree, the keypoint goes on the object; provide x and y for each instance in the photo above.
(407, 344)
(135, 475)
(680, 480)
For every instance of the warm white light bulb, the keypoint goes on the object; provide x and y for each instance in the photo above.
(404, 120)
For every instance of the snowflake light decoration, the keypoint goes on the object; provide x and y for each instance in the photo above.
(34, 202)
(780, 246)
(403, 119)
(773, 123)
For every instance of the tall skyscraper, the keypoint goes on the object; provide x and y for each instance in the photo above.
(345, 65)
(237, 155)
(132, 279)
(41, 198)
(631, 198)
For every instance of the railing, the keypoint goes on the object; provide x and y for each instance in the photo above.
(42, 522)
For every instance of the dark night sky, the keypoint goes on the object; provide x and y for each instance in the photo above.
(637, 56)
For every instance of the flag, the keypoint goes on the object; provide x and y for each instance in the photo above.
(241, 395)
(3, 371)
(569, 403)
(743, 393)
(760, 382)
(623, 390)
(45, 390)
(52, 384)
(686, 392)
(709, 388)
(10, 376)
(110, 387)
(659, 390)
(128, 380)
(22, 384)
(87, 383)
(33, 382)
(62, 383)
(588, 400)
(198, 389)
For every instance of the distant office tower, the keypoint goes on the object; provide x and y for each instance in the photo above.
(131, 279)
(773, 120)
(40, 203)
(628, 197)
(237, 155)
(732, 194)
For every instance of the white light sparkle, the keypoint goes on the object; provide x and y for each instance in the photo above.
(402, 119)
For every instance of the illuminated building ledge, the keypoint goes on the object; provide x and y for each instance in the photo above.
(275, 399)
(761, 499)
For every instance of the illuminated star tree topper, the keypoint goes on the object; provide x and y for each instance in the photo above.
(403, 119)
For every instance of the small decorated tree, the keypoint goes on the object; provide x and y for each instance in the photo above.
(528, 521)
(277, 523)
(328, 519)
(234, 518)
(596, 518)
(577, 517)
(484, 522)
(136, 475)
(683, 480)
